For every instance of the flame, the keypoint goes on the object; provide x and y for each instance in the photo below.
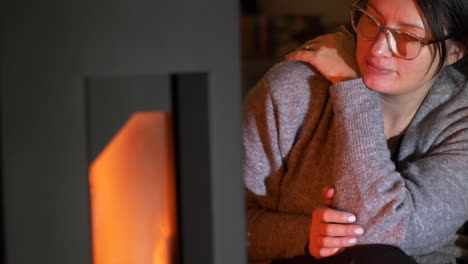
(133, 203)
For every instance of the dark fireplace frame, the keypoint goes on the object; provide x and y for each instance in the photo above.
(111, 100)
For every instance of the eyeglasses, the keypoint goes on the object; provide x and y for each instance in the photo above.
(401, 43)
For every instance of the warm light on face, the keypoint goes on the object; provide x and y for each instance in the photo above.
(386, 73)
(133, 200)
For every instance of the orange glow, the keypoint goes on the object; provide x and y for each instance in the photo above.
(133, 200)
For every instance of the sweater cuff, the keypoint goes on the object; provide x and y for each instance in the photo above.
(355, 94)
(359, 114)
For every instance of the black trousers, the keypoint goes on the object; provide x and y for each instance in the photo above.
(367, 254)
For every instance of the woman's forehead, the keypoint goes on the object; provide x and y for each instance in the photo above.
(403, 13)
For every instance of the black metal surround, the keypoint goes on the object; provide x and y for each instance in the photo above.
(112, 100)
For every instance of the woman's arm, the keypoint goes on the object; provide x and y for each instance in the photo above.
(273, 114)
(416, 208)
(274, 234)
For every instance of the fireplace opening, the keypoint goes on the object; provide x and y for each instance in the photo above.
(133, 194)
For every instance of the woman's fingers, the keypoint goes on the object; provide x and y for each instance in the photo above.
(334, 242)
(334, 216)
(323, 252)
(332, 230)
(333, 55)
(328, 194)
(303, 54)
(330, 215)
(339, 230)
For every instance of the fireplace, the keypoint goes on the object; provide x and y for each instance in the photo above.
(78, 82)
(149, 168)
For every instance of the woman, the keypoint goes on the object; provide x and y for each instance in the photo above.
(383, 119)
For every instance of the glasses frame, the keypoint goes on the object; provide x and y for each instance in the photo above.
(387, 30)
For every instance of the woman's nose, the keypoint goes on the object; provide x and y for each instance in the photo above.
(380, 46)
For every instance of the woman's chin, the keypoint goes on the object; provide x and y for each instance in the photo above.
(379, 84)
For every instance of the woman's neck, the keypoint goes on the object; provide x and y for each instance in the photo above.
(399, 110)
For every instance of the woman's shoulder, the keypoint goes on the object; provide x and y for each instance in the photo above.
(454, 74)
(445, 110)
(285, 71)
(455, 87)
(293, 80)
(449, 91)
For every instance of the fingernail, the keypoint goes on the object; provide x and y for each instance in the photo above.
(351, 218)
(359, 231)
(352, 241)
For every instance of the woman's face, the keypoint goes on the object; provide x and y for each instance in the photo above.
(380, 69)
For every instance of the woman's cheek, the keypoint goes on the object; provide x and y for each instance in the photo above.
(360, 54)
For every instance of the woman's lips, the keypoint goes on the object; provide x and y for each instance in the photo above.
(376, 68)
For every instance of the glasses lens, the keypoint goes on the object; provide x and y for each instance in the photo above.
(403, 44)
(364, 25)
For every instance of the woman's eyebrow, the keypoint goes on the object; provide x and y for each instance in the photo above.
(401, 23)
(375, 9)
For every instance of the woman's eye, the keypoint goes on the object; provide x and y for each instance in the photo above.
(407, 37)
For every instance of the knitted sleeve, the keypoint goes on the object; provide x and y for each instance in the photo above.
(273, 115)
(420, 205)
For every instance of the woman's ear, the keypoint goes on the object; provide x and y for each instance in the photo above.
(455, 51)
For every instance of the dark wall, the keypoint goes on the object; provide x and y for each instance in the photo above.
(49, 49)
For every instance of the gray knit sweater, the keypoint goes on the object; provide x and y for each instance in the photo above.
(300, 134)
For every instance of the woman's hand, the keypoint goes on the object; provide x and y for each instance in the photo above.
(331, 230)
(333, 55)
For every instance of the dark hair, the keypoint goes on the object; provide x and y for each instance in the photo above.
(446, 18)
